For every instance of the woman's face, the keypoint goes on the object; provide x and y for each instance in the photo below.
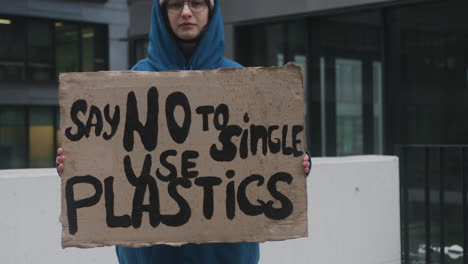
(186, 24)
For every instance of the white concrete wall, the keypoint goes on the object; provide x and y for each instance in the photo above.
(353, 208)
(30, 231)
(354, 215)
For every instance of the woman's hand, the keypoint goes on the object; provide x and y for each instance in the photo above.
(59, 160)
(306, 163)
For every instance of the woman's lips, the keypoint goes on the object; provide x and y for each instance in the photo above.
(187, 25)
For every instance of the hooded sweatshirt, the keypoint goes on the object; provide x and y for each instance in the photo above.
(164, 54)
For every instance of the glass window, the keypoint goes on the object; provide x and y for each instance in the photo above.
(87, 48)
(296, 45)
(13, 139)
(431, 100)
(141, 49)
(377, 84)
(262, 45)
(94, 48)
(12, 49)
(348, 73)
(428, 107)
(349, 111)
(101, 48)
(274, 45)
(40, 65)
(67, 47)
(41, 137)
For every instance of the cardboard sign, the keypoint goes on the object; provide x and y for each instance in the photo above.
(182, 157)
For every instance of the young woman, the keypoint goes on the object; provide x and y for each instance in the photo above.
(187, 35)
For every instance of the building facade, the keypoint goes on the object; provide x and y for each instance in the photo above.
(382, 77)
(39, 40)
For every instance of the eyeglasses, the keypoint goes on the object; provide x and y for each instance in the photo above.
(175, 6)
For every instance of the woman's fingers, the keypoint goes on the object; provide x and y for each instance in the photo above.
(306, 163)
(59, 159)
(60, 168)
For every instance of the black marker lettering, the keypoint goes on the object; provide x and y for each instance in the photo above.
(244, 203)
(113, 121)
(223, 110)
(111, 219)
(172, 169)
(73, 205)
(205, 111)
(207, 183)
(148, 132)
(286, 150)
(295, 131)
(243, 148)
(275, 146)
(94, 112)
(78, 106)
(229, 150)
(257, 133)
(286, 204)
(230, 200)
(145, 181)
(178, 133)
(183, 216)
(230, 196)
(186, 164)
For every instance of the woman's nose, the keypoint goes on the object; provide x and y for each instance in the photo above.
(186, 11)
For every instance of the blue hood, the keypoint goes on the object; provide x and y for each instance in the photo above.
(163, 53)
